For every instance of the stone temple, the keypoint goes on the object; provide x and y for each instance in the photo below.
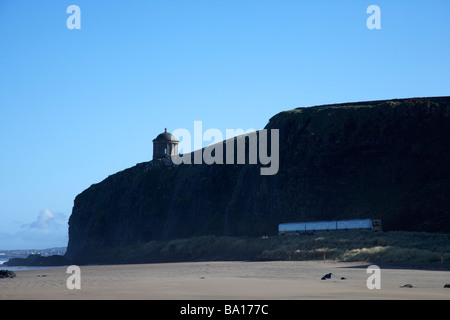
(165, 145)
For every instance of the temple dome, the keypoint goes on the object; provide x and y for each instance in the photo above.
(166, 136)
(165, 145)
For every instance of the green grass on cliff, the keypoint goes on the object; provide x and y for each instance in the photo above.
(411, 249)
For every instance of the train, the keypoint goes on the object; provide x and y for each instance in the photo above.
(309, 227)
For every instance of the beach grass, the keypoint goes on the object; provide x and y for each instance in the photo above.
(400, 247)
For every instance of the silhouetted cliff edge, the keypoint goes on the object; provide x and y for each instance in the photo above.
(385, 159)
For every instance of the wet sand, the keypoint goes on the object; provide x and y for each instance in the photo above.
(283, 280)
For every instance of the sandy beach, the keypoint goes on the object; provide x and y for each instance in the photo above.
(284, 280)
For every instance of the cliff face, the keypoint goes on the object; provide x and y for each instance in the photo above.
(381, 159)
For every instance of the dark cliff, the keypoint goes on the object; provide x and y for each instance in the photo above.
(381, 159)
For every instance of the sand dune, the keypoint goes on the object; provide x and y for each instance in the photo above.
(284, 280)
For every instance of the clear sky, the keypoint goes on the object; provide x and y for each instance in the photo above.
(79, 105)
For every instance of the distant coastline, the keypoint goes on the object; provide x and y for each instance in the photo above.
(23, 253)
(7, 257)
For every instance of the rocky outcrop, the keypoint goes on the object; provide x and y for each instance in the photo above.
(38, 260)
(7, 274)
(385, 159)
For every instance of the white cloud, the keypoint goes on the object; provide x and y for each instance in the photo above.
(46, 222)
(49, 229)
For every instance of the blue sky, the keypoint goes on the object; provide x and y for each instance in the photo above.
(79, 105)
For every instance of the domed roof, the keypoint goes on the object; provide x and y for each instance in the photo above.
(166, 136)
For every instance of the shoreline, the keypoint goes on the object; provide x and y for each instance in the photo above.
(392, 249)
(230, 280)
(348, 264)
